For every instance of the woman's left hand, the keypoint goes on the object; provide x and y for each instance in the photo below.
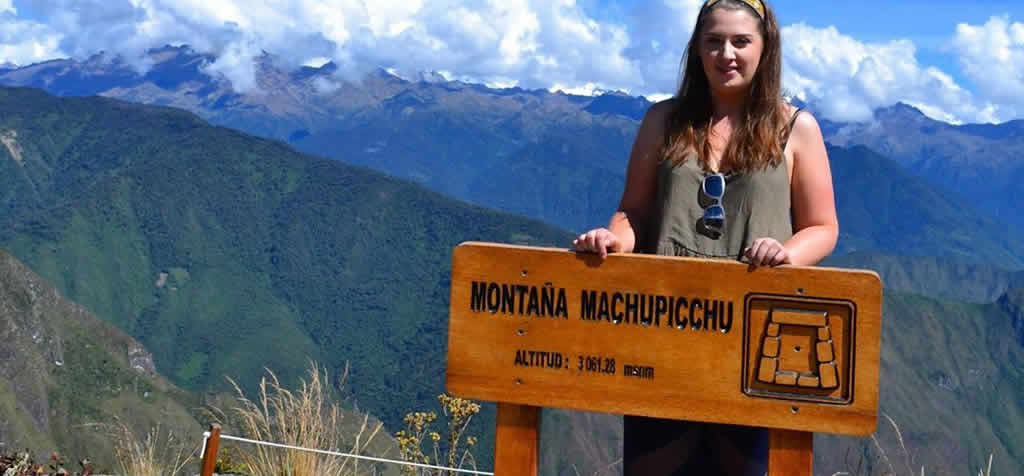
(766, 252)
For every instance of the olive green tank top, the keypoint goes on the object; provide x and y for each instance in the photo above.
(756, 203)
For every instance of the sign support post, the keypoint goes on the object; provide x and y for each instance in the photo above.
(210, 448)
(791, 453)
(517, 441)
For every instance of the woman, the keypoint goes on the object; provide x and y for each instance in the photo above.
(724, 169)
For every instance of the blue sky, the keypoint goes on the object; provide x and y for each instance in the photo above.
(929, 24)
(958, 61)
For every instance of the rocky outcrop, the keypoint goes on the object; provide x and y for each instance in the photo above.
(62, 369)
(141, 360)
(30, 344)
(1013, 303)
(10, 140)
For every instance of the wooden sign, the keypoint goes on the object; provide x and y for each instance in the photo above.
(793, 348)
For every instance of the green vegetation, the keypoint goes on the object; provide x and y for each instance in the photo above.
(308, 417)
(229, 255)
(896, 460)
(456, 449)
(936, 277)
(22, 464)
(538, 155)
(951, 378)
(73, 373)
(884, 208)
(976, 163)
(271, 257)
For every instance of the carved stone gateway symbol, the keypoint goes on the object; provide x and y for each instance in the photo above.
(791, 326)
(798, 348)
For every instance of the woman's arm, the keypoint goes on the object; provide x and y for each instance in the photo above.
(638, 195)
(815, 225)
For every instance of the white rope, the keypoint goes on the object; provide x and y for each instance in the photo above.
(335, 453)
(206, 439)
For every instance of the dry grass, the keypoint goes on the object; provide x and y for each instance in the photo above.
(987, 471)
(158, 454)
(309, 418)
(19, 465)
(606, 470)
(907, 458)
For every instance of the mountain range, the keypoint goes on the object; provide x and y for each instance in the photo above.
(979, 163)
(560, 158)
(266, 256)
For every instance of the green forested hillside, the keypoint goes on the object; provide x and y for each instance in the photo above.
(952, 381)
(523, 152)
(884, 208)
(933, 276)
(65, 374)
(569, 170)
(225, 254)
(979, 163)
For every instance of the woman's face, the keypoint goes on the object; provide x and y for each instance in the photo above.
(730, 49)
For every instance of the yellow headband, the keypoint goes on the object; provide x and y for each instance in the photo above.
(757, 5)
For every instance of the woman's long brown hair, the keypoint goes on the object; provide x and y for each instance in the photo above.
(757, 142)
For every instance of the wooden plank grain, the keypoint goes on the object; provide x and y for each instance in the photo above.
(790, 453)
(665, 337)
(517, 440)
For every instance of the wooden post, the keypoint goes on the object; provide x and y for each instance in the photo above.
(515, 446)
(791, 453)
(210, 451)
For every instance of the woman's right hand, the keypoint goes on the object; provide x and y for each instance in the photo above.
(598, 240)
(638, 197)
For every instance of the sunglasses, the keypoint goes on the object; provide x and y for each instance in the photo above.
(713, 187)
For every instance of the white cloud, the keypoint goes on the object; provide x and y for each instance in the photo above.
(992, 56)
(235, 63)
(661, 30)
(528, 43)
(656, 97)
(316, 61)
(24, 41)
(589, 89)
(324, 85)
(536, 43)
(848, 78)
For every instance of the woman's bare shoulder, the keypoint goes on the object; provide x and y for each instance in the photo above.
(805, 127)
(661, 109)
(653, 125)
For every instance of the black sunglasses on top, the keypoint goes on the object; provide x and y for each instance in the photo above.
(713, 187)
